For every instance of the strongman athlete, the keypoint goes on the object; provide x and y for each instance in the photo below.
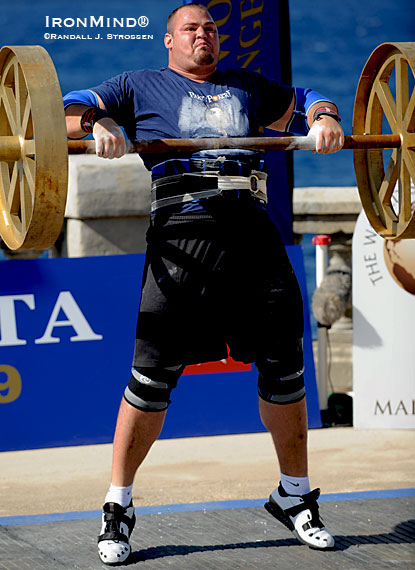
(208, 223)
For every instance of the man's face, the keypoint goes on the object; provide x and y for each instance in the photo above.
(193, 43)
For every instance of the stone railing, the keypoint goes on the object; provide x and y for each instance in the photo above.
(331, 210)
(109, 201)
(108, 206)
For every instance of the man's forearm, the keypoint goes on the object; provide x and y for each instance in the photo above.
(325, 105)
(73, 115)
(109, 138)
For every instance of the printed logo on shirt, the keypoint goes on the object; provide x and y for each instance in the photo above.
(212, 116)
(211, 98)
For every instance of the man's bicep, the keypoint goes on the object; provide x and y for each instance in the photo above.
(100, 101)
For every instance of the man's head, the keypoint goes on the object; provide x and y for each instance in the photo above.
(192, 40)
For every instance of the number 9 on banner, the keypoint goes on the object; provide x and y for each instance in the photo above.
(10, 387)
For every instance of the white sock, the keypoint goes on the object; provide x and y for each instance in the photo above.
(295, 485)
(120, 495)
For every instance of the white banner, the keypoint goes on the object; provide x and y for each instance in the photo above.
(384, 326)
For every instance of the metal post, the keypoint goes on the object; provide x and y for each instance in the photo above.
(321, 242)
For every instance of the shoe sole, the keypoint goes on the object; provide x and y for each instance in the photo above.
(279, 514)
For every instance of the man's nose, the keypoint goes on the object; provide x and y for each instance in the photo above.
(200, 32)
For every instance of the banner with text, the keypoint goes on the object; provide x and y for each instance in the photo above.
(255, 34)
(67, 329)
(383, 326)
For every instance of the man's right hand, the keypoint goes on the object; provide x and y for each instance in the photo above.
(109, 139)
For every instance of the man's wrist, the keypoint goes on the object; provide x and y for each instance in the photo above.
(325, 110)
(90, 117)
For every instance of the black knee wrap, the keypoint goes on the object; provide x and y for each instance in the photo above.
(149, 388)
(281, 379)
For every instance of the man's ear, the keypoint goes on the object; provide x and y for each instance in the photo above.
(168, 40)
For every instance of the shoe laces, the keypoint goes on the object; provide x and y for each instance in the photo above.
(112, 526)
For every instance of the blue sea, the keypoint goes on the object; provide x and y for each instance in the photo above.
(330, 43)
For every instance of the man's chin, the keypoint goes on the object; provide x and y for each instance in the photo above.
(203, 57)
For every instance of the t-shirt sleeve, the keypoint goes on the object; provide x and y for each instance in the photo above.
(272, 99)
(117, 97)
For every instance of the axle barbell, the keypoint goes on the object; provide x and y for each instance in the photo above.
(34, 147)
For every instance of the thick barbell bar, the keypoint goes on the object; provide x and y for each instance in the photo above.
(13, 148)
(156, 146)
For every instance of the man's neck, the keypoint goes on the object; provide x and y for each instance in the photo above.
(200, 76)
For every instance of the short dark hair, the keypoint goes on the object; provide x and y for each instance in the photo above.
(172, 15)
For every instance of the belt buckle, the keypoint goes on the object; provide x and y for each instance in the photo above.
(253, 181)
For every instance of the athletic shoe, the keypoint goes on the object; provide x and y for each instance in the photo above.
(117, 525)
(299, 513)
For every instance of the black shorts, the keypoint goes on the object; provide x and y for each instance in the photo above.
(216, 280)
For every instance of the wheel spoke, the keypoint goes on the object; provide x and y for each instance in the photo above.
(387, 103)
(29, 172)
(409, 118)
(5, 183)
(27, 126)
(9, 99)
(17, 87)
(408, 157)
(9, 102)
(391, 176)
(402, 90)
(404, 195)
(4, 123)
(375, 187)
(13, 195)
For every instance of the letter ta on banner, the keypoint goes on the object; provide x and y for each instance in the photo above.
(75, 319)
(8, 325)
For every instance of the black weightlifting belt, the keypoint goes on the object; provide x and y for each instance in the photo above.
(186, 187)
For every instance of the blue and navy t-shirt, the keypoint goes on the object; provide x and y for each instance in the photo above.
(152, 104)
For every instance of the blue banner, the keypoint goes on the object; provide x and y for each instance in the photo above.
(67, 329)
(255, 34)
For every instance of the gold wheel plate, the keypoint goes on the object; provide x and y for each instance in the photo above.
(34, 172)
(383, 105)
